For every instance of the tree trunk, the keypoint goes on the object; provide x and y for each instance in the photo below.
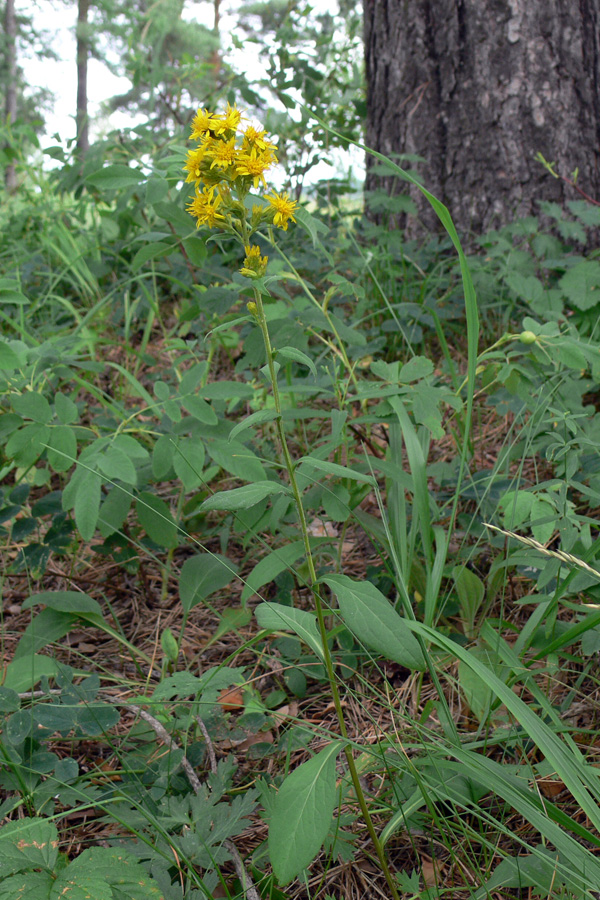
(478, 88)
(10, 31)
(82, 70)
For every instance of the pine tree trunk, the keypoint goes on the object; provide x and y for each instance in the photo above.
(478, 88)
(82, 71)
(10, 31)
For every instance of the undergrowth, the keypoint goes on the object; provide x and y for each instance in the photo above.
(300, 562)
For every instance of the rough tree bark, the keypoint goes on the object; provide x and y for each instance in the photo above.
(478, 88)
(10, 32)
(82, 70)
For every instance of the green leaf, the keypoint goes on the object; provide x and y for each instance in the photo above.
(62, 448)
(188, 462)
(150, 251)
(374, 621)
(302, 814)
(237, 459)
(9, 360)
(416, 368)
(46, 628)
(199, 409)
(115, 177)
(244, 497)
(201, 576)
(27, 886)
(87, 503)
(581, 284)
(470, 590)
(257, 418)
(74, 602)
(23, 674)
(156, 520)
(308, 462)
(297, 356)
(33, 406)
(276, 617)
(28, 843)
(117, 465)
(113, 511)
(314, 227)
(271, 565)
(112, 867)
(65, 409)
(13, 298)
(228, 390)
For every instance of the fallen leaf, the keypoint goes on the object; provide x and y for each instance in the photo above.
(231, 698)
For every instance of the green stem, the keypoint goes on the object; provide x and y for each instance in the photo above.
(289, 465)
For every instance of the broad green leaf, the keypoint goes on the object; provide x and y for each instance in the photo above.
(471, 591)
(271, 565)
(257, 418)
(32, 405)
(581, 284)
(87, 503)
(163, 455)
(115, 177)
(81, 886)
(62, 448)
(12, 298)
(297, 356)
(117, 465)
(244, 497)
(237, 459)
(308, 462)
(199, 409)
(201, 576)
(113, 867)
(276, 617)
(113, 511)
(228, 390)
(188, 462)
(9, 360)
(34, 841)
(302, 814)
(46, 628)
(156, 520)
(23, 674)
(374, 621)
(27, 886)
(74, 602)
(416, 368)
(314, 227)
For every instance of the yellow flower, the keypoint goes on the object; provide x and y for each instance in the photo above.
(283, 209)
(202, 122)
(255, 138)
(194, 161)
(229, 121)
(255, 164)
(255, 265)
(204, 207)
(223, 153)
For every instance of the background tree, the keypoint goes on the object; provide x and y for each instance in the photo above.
(10, 93)
(478, 89)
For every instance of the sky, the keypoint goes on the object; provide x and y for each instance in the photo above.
(60, 75)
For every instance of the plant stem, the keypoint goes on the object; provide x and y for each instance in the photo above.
(289, 465)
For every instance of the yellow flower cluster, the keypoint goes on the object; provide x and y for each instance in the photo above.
(227, 163)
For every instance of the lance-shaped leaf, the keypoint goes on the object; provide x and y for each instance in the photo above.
(375, 622)
(302, 814)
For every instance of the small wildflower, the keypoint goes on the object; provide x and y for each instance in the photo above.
(193, 164)
(283, 209)
(201, 124)
(254, 137)
(204, 207)
(229, 121)
(255, 265)
(255, 164)
(223, 153)
(252, 308)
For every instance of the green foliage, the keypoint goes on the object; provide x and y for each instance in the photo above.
(323, 506)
